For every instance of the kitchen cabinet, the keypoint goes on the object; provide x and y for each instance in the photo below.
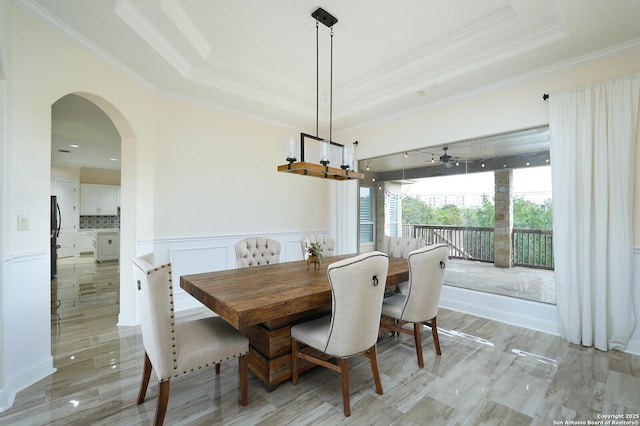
(107, 245)
(86, 241)
(98, 200)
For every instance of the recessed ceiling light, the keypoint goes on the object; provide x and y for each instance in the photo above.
(113, 159)
(74, 146)
(421, 93)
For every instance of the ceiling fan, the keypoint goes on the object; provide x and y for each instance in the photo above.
(448, 160)
(445, 159)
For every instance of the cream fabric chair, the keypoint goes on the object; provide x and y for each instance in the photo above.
(357, 287)
(401, 247)
(420, 304)
(326, 243)
(175, 349)
(255, 251)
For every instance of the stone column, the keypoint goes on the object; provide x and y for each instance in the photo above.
(503, 217)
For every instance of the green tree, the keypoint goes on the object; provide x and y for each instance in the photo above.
(417, 212)
(486, 213)
(529, 215)
(449, 214)
(526, 214)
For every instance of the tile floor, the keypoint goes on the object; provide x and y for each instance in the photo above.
(489, 373)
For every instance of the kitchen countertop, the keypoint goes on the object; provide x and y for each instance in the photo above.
(107, 231)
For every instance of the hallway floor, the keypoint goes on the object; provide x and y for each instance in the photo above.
(489, 373)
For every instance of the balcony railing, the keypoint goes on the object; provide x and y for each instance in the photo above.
(532, 248)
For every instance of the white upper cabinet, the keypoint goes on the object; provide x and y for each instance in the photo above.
(98, 200)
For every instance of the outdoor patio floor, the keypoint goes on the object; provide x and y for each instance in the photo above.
(525, 283)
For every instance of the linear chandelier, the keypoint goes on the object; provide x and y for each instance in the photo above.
(322, 170)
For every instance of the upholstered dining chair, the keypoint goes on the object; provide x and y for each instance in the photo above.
(255, 251)
(171, 349)
(401, 247)
(357, 288)
(420, 303)
(326, 243)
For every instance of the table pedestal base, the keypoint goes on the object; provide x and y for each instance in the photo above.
(270, 348)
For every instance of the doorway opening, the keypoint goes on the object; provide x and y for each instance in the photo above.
(488, 199)
(85, 181)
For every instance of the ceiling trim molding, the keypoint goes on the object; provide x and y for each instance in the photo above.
(423, 53)
(137, 22)
(296, 98)
(181, 20)
(537, 37)
(532, 75)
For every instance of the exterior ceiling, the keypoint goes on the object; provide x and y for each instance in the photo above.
(520, 149)
(259, 58)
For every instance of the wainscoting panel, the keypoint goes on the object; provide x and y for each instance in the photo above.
(213, 253)
(293, 250)
(194, 261)
(26, 323)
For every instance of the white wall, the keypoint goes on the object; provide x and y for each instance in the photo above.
(192, 178)
(215, 174)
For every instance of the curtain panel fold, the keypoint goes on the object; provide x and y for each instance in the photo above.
(594, 138)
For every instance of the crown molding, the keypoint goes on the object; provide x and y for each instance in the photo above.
(34, 9)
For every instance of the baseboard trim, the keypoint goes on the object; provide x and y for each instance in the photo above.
(17, 382)
(520, 312)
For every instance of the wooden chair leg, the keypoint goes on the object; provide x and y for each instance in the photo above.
(243, 377)
(417, 328)
(146, 374)
(434, 333)
(217, 368)
(372, 354)
(344, 372)
(294, 361)
(163, 402)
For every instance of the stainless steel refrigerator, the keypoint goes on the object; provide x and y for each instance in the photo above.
(56, 221)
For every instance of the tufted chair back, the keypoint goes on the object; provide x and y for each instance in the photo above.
(357, 289)
(426, 277)
(326, 243)
(401, 247)
(257, 251)
(157, 321)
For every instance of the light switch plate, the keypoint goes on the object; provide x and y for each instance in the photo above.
(23, 222)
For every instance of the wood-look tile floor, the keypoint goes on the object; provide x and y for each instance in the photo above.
(489, 373)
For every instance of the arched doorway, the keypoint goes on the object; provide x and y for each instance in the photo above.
(127, 211)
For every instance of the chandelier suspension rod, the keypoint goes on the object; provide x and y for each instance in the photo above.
(317, 79)
(331, 91)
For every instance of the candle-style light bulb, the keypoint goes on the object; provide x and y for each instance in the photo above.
(325, 153)
(347, 157)
(291, 156)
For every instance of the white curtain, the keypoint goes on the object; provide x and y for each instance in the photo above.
(594, 137)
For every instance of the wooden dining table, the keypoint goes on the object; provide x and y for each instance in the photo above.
(264, 302)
